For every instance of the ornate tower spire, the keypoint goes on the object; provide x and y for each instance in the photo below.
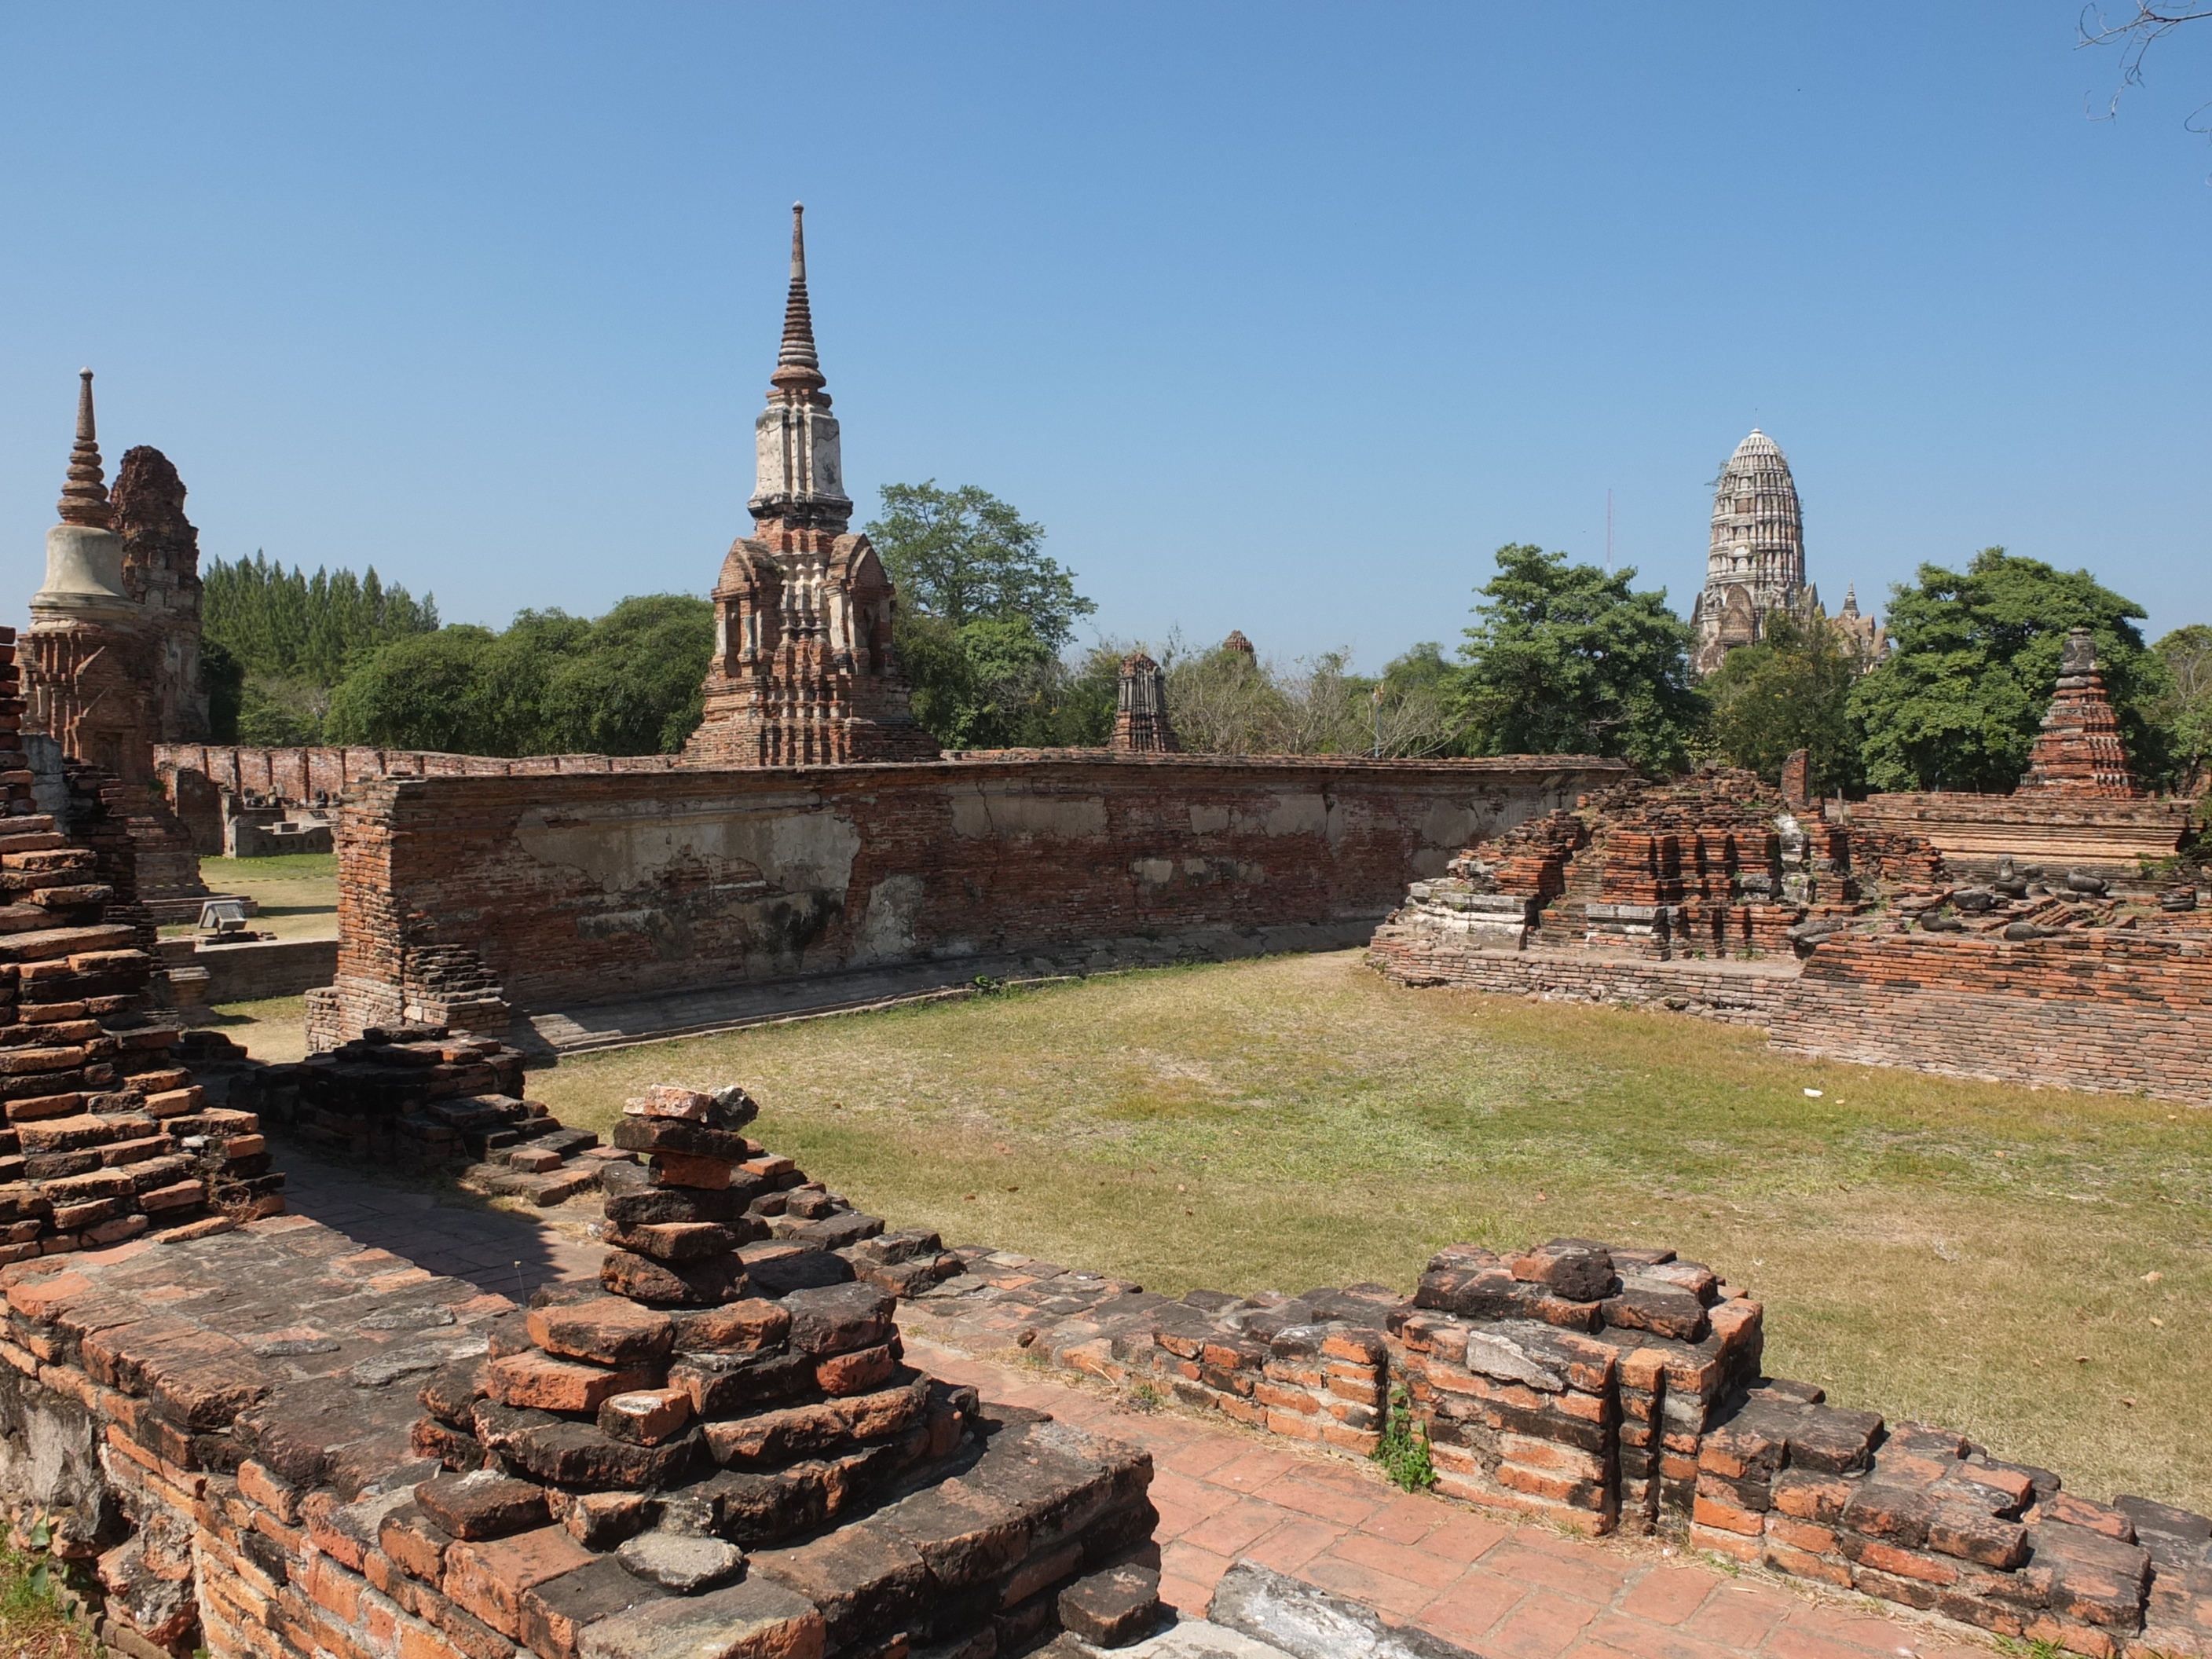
(796, 365)
(84, 496)
(800, 481)
(1755, 565)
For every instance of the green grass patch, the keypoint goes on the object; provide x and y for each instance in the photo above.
(225, 875)
(39, 1599)
(275, 1029)
(1976, 1254)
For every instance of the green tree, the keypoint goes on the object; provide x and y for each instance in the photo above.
(291, 625)
(1789, 690)
(963, 555)
(423, 692)
(1569, 659)
(984, 619)
(1973, 659)
(1223, 701)
(224, 677)
(636, 686)
(627, 683)
(287, 638)
(2184, 711)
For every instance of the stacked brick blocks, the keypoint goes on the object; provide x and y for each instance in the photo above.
(685, 1448)
(1922, 1516)
(1314, 1367)
(1573, 1381)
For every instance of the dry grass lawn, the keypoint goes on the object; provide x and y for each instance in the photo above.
(2031, 1267)
(297, 893)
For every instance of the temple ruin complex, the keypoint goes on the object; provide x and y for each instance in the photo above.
(1755, 566)
(252, 1438)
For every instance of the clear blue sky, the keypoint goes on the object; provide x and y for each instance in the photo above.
(1279, 317)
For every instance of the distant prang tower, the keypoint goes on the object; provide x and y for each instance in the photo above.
(804, 672)
(1756, 565)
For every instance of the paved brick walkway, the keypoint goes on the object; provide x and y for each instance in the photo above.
(1508, 1591)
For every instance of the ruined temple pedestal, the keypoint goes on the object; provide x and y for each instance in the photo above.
(686, 1452)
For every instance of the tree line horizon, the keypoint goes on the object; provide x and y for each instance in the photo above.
(1560, 657)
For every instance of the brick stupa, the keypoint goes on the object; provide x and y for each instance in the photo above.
(2079, 751)
(804, 672)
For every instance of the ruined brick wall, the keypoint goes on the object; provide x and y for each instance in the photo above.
(2113, 837)
(2106, 1010)
(191, 772)
(574, 887)
(161, 572)
(1603, 1389)
(1746, 995)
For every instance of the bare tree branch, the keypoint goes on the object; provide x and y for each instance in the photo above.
(2151, 22)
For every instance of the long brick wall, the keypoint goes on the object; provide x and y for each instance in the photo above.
(571, 888)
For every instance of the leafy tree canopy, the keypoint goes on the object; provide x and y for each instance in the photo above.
(963, 556)
(984, 617)
(1789, 691)
(1570, 659)
(2185, 710)
(1974, 656)
(627, 683)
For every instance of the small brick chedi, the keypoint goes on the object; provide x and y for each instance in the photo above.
(2078, 753)
(803, 671)
(1140, 708)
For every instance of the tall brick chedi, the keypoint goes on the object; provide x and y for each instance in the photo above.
(111, 661)
(803, 671)
(84, 676)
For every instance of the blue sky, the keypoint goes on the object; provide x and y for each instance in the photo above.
(1279, 317)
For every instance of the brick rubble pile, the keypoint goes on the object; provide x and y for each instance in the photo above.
(675, 1442)
(107, 1136)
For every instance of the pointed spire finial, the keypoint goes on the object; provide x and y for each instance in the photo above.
(84, 495)
(797, 366)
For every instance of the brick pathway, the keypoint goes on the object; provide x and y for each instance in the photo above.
(1508, 1591)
